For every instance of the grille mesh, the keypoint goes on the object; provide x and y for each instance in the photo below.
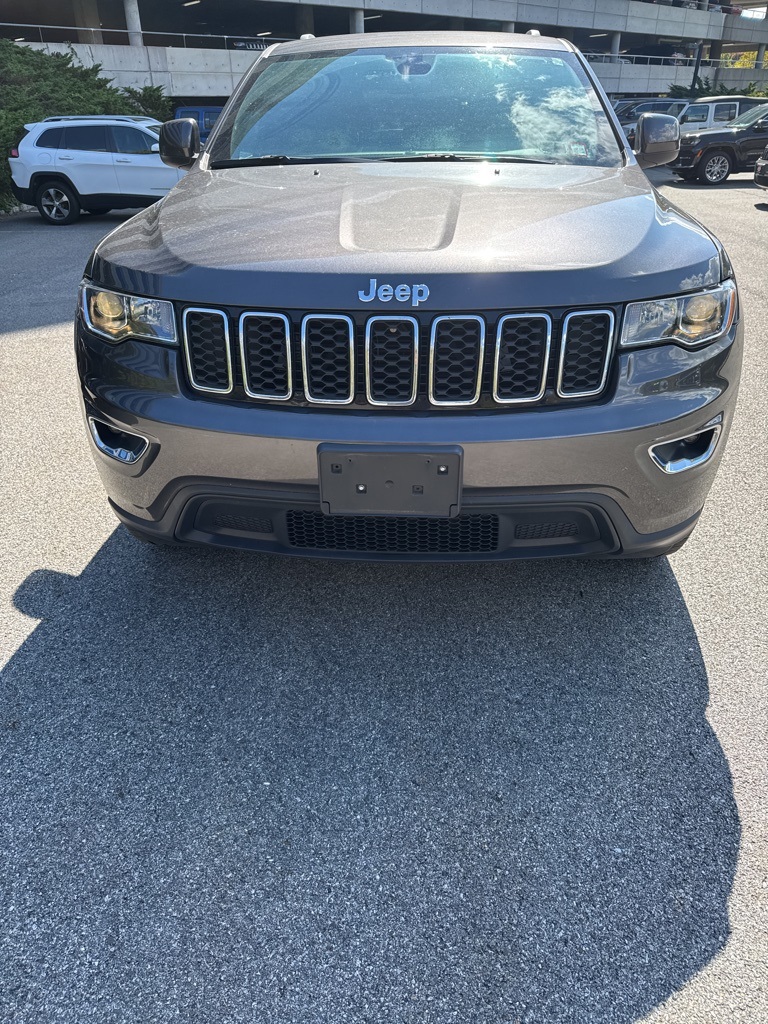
(247, 524)
(456, 358)
(266, 355)
(390, 534)
(205, 335)
(328, 364)
(586, 346)
(545, 531)
(521, 358)
(330, 359)
(390, 352)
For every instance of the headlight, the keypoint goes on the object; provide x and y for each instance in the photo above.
(683, 320)
(116, 316)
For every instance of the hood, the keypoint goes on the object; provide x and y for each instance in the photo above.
(478, 235)
(721, 132)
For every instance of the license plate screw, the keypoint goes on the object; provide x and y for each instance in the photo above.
(442, 470)
(417, 489)
(361, 488)
(335, 467)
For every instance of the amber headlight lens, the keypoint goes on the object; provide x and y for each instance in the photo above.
(116, 316)
(684, 319)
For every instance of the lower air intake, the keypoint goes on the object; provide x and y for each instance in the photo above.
(467, 534)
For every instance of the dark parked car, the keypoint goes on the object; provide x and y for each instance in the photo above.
(715, 153)
(415, 300)
(761, 170)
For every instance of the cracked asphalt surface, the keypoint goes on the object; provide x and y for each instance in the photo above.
(239, 788)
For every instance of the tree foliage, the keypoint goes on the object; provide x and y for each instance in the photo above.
(34, 85)
(704, 87)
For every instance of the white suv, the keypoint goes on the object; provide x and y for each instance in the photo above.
(67, 164)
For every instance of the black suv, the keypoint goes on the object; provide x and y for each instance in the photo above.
(715, 153)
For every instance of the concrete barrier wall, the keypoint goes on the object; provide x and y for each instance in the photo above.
(201, 73)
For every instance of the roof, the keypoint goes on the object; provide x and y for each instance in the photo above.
(375, 40)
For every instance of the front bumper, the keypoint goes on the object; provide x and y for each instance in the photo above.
(559, 481)
(761, 174)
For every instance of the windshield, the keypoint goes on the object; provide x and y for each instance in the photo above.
(419, 103)
(750, 116)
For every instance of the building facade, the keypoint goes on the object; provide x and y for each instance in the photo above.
(200, 48)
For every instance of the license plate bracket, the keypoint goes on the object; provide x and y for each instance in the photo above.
(391, 481)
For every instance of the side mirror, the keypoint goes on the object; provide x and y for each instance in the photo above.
(180, 142)
(155, 147)
(761, 125)
(657, 139)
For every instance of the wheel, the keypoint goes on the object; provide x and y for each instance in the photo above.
(715, 167)
(99, 211)
(57, 203)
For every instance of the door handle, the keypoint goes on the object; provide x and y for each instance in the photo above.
(66, 158)
(122, 160)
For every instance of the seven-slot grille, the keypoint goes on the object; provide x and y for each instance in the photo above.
(454, 360)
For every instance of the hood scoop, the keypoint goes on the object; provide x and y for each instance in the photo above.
(400, 219)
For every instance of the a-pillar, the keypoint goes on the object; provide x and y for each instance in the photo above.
(86, 14)
(356, 21)
(133, 22)
(305, 20)
(615, 46)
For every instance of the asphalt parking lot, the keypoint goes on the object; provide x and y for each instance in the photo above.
(240, 788)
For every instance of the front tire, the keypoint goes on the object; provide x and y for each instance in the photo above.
(715, 167)
(57, 203)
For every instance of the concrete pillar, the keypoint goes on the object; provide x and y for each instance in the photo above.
(760, 56)
(86, 14)
(305, 20)
(133, 22)
(356, 21)
(715, 51)
(615, 46)
(507, 26)
(703, 5)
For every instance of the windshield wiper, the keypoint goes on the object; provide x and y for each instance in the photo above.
(273, 160)
(476, 157)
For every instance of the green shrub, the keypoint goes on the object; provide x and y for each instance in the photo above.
(34, 85)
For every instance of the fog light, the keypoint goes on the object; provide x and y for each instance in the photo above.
(687, 452)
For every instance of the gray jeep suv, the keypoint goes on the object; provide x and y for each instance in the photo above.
(416, 299)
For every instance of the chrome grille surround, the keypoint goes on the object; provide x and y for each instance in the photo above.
(227, 349)
(433, 342)
(606, 359)
(305, 365)
(528, 317)
(338, 359)
(414, 362)
(244, 361)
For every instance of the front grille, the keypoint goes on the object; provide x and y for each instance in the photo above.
(265, 353)
(585, 352)
(421, 361)
(327, 355)
(246, 524)
(206, 343)
(467, 534)
(456, 359)
(391, 360)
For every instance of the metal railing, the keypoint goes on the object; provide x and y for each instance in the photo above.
(22, 32)
(670, 61)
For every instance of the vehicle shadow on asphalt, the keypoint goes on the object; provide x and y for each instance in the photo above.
(252, 788)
